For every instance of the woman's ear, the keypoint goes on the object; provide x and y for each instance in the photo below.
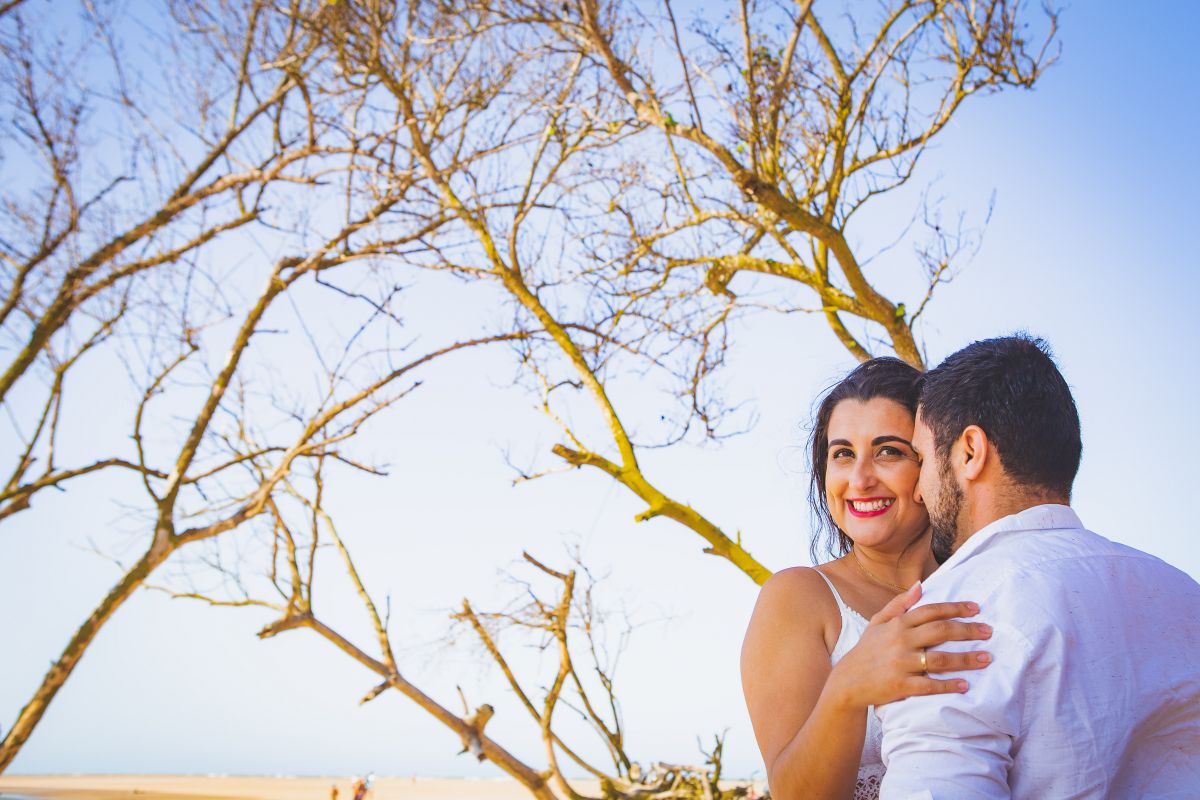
(976, 450)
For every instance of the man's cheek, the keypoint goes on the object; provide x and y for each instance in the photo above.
(919, 493)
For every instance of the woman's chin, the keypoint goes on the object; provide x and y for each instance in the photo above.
(885, 537)
(872, 542)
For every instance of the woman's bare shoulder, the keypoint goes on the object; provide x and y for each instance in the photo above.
(796, 598)
(795, 625)
(797, 583)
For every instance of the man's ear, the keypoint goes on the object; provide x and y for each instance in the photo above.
(976, 451)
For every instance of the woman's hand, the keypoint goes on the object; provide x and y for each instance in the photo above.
(891, 660)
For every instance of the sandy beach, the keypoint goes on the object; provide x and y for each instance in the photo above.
(235, 787)
(240, 787)
(195, 787)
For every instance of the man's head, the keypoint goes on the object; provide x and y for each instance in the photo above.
(998, 431)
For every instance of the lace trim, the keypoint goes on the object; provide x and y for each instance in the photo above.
(869, 780)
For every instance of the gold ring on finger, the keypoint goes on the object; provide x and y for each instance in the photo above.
(924, 662)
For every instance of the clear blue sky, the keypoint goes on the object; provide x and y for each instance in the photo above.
(1092, 245)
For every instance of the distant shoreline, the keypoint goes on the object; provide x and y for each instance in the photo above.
(244, 787)
(258, 787)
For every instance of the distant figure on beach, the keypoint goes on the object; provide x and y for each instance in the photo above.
(362, 786)
(333, 792)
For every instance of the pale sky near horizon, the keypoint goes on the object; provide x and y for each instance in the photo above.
(1092, 245)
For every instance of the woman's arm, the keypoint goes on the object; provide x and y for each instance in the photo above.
(809, 719)
(811, 741)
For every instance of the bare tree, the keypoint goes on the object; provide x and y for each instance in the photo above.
(513, 210)
(571, 626)
(212, 435)
(800, 138)
(496, 157)
(781, 126)
(96, 211)
(576, 622)
(791, 127)
(609, 196)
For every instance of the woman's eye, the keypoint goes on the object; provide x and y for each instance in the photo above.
(843, 452)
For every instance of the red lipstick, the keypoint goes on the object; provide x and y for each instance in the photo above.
(850, 506)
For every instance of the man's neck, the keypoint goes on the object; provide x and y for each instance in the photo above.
(999, 505)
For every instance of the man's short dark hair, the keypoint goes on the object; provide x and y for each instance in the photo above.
(1010, 388)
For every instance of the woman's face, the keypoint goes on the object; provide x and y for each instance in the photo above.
(871, 474)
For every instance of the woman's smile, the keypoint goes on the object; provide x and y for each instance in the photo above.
(869, 506)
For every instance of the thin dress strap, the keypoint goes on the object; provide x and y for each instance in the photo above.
(836, 596)
(853, 623)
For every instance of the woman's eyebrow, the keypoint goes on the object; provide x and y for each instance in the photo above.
(840, 442)
(878, 440)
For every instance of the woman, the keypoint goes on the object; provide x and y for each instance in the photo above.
(813, 667)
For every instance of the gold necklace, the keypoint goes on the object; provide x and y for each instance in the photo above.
(854, 554)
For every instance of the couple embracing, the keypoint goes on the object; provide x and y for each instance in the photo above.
(972, 639)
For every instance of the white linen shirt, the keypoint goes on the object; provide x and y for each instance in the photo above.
(1094, 690)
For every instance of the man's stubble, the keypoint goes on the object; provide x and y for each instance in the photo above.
(945, 511)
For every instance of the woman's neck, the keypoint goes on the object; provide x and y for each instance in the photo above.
(896, 570)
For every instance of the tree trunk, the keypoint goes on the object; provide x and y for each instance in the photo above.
(32, 713)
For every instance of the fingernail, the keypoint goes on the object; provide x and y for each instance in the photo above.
(961, 686)
(914, 586)
(974, 607)
(983, 658)
(985, 629)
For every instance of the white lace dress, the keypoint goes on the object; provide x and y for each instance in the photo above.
(870, 766)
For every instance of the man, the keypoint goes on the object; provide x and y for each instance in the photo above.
(1094, 691)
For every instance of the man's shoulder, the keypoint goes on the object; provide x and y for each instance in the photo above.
(1077, 555)
(1032, 567)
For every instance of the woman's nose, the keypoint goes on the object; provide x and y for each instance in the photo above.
(863, 475)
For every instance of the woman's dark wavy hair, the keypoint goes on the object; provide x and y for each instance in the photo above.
(885, 377)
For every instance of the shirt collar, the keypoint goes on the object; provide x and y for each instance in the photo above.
(1050, 516)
